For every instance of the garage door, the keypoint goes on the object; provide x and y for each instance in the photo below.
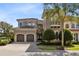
(20, 38)
(30, 38)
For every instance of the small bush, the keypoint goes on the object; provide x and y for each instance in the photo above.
(48, 36)
(4, 41)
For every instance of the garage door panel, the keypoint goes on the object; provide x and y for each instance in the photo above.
(30, 38)
(20, 38)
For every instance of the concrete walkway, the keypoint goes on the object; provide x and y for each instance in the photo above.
(54, 53)
(33, 48)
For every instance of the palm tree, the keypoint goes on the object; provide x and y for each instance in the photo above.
(49, 13)
(61, 10)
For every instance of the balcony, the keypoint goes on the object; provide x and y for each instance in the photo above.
(55, 27)
(27, 25)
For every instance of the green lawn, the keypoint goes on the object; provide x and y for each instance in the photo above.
(75, 47)
(50, 48)
(47, 48)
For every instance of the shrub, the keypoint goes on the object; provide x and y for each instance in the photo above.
(67, 37)
(48, 35)
(4, 41)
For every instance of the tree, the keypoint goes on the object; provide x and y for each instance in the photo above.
(7, 30)
(48, 35)
(50, 10)
(67, 37)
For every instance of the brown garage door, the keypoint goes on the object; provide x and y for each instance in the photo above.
(30, 38)
(20, 38)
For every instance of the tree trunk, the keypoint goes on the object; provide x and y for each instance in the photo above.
(62, 29)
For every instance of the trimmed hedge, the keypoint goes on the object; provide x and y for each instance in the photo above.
(48, 35)
(67, 37)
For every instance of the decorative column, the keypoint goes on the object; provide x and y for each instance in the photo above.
(35, 39)
(15, 39)
(75, 25)
(25, 37)
(73, 37)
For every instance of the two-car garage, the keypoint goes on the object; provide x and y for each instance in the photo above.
(27, 38)
(25, 35)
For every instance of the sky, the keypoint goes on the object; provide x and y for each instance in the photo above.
(10, 12)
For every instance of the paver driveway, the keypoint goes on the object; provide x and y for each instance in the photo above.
(14, 49)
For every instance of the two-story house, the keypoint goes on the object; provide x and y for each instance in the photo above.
(71, 25)
(74, 28)
(27, 30)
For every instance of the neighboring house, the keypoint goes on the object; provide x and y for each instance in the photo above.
(74, 28)
(70, 25)
(27, 30)
(1, 31)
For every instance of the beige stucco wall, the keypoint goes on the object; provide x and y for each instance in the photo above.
(25, 32)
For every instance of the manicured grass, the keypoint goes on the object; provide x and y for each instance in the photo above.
(75, 47)
(47, 48)
(50, 48)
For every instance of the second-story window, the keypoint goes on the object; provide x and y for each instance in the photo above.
(77, 25)
(72, 25)
(20, 24)
(67, 25)
(29, 24)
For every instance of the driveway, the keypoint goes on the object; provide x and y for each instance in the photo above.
(30, 49)
(14, 49)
